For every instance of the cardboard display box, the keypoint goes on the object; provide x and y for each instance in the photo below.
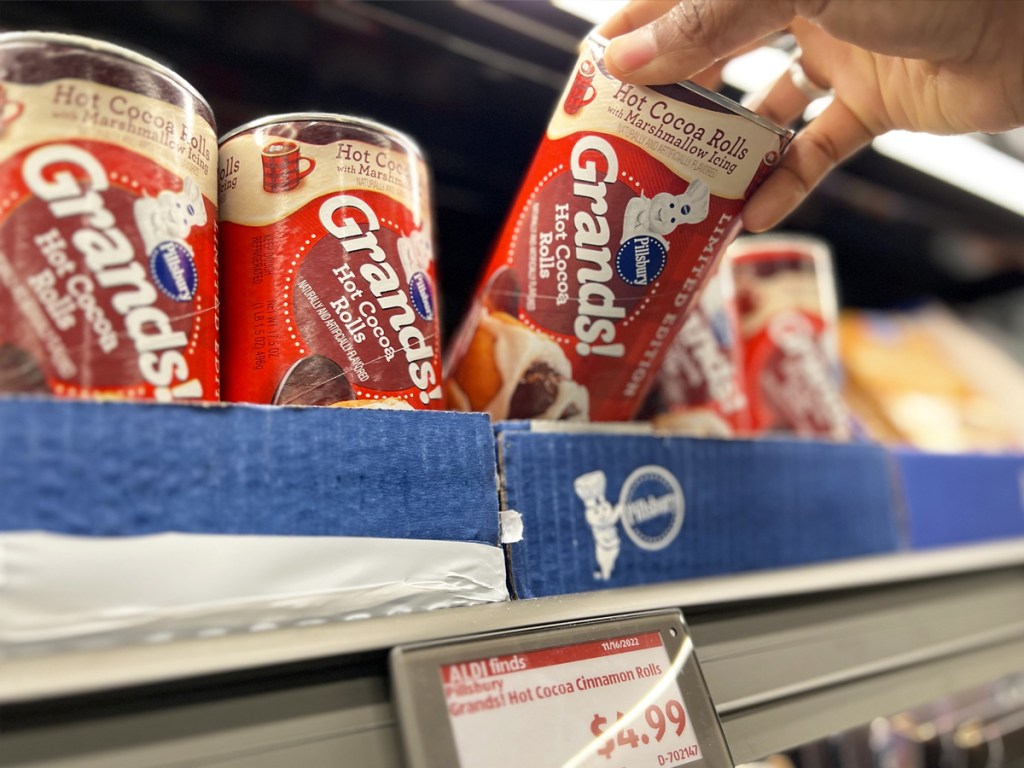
(605, 508)
(119, 469)
(953, 499)
(600, 506)
(126, 523)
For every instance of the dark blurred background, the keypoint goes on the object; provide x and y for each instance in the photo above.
(474, 83)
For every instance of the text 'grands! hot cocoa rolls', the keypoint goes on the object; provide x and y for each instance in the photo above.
(327, 253)
(108, 263)
(628, 203)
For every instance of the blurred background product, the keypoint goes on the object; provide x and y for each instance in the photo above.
(786, 310)
(927, 378)
(700, 388)
(982, 727)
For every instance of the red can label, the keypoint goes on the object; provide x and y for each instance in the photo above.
(329, 290)
(632, 196)
(108, 280)
(699, 388)
(786, 304)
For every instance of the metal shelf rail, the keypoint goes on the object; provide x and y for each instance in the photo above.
(789, 656)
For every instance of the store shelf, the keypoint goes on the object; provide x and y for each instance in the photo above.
(789, 656)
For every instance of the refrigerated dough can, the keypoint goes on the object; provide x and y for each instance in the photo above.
(327, 254)
(108, 263)
(699, 388)
(627, 205)
(788, 332)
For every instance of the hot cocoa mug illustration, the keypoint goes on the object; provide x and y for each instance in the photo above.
(9, 110)
(282, 166)
(582, 91)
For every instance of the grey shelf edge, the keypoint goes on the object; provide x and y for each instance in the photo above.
(789, 656)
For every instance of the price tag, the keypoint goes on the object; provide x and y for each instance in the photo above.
(606, 694)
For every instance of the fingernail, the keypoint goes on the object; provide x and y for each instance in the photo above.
(630, 52)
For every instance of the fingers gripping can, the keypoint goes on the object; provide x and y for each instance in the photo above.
(327, 243)
(630, 199)
(108, 263)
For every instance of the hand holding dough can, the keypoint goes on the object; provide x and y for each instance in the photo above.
(108, 260)
(628, 203)
(329, 283)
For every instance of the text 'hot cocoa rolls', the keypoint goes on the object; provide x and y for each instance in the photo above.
(627, 205)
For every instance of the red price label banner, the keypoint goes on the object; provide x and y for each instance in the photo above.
(613, 702)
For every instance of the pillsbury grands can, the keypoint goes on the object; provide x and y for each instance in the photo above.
(788, 334)
(108, 264)
(630, 199)
(327, 243)
(699, 388)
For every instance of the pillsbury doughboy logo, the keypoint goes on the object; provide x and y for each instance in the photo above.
(165, 222)
(416, 254)
(646, 224)
(650, 507)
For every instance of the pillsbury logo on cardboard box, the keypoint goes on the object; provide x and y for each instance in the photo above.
(609, 506)
(650, 508)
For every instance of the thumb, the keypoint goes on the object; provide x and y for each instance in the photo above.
(691, 36)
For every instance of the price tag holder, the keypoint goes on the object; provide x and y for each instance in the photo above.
(605, 693)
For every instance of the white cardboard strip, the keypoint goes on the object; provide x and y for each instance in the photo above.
(59, 592)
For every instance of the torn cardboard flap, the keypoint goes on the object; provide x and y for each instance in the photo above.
(511, 526)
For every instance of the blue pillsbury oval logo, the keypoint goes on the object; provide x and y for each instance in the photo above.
(652, 507)
(174, 270)
(422, 295)
(640, 259)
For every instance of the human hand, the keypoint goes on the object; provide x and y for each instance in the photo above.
(940, 66)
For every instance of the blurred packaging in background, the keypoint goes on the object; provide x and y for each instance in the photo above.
(699, 389)
(928, 379)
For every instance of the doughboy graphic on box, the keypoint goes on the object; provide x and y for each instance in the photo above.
(416, 255)
(650, 508)
(602, 518)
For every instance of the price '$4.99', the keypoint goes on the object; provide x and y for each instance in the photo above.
(659, 720)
